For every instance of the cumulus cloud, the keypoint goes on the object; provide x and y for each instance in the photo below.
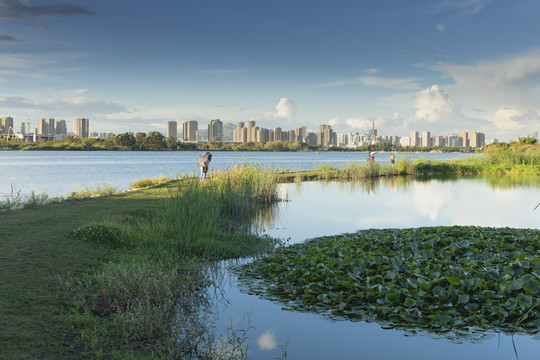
(494, 82)
(285, 110)
(433, 105)
(19, 9)
(359, 123)
(267, 341)
(508, 119)
(334, 121)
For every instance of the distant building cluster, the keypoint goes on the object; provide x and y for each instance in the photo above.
(51, 129)
(463, 139)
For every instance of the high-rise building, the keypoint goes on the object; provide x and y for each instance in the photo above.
(61, 128)
(439, 141)
(172, 129)
(477, 139)
(426, 138)
(215, 130)
(415, 139)
(46, 126)
(5, 124)
(454, 140)
(81, 127)
(237, 132)
(263, 135)
(464, 139)
(250, 131)
(191, 130)
(301, 133)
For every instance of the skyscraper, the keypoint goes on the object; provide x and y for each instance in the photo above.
(172, 129)
(61, 128)
(6, 123)
(46, 126)
(237, 132)
(415, 139)
(191, 130)
(477, 139)
(426, 138)
(250, 131)
(215, 130)
(81, 127)
(464, 139)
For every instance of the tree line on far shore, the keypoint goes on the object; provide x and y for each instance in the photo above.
(155, 141)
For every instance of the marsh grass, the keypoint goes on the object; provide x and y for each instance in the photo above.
(151, 299)
(18, 201)
(144, 183)
(96, 190)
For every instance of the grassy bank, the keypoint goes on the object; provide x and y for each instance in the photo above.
(108, 277)
(520, 160)
(111, 277)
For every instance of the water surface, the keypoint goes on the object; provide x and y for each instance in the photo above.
(318, 208)
(58, 173)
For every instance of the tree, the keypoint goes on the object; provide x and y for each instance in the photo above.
(154, 141)
(172, 143)
(125, 140)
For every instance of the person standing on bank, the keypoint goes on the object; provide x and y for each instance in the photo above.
(392, 159)
(203, 162)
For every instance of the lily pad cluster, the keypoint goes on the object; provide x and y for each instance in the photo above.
(434, 278)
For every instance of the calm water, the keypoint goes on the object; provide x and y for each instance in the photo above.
(59, 173)
(317, 208)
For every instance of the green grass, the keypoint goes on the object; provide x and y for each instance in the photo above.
(106, 277)
(34, 253)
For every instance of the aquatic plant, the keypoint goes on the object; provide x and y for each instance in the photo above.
(441, 279)
(96, 190)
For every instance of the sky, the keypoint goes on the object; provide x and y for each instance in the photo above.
(444, 66)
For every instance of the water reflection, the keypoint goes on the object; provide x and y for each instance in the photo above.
(315, 209)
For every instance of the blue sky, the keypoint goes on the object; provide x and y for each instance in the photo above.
(440, 65)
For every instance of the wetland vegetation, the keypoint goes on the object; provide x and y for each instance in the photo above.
(117, 276)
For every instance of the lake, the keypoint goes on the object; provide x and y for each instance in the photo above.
(58, 173)
(317, 208)
(314, 209)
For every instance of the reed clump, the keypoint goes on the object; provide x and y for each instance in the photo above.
(152, 298)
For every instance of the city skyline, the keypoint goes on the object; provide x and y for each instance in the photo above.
(251, 132)
(447, 66)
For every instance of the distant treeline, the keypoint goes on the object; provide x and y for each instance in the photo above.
(155, 141)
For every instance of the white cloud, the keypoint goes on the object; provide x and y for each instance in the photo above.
(267, 341)
(440, 27)
(467, 7)
(388, 83)
(334, 121)
(359, 123)
(372, 71)
(285, 112)
(433, 105)
(508, 119)
(494, 82)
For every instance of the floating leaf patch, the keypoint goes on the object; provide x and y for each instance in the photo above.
(439, 278)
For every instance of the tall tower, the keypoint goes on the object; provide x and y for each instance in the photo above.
(81, 127)
(215, 130)
(46, 126)
(61, 128)
(6, 123)
(172, 129)
(415, 139)
(191, 130)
